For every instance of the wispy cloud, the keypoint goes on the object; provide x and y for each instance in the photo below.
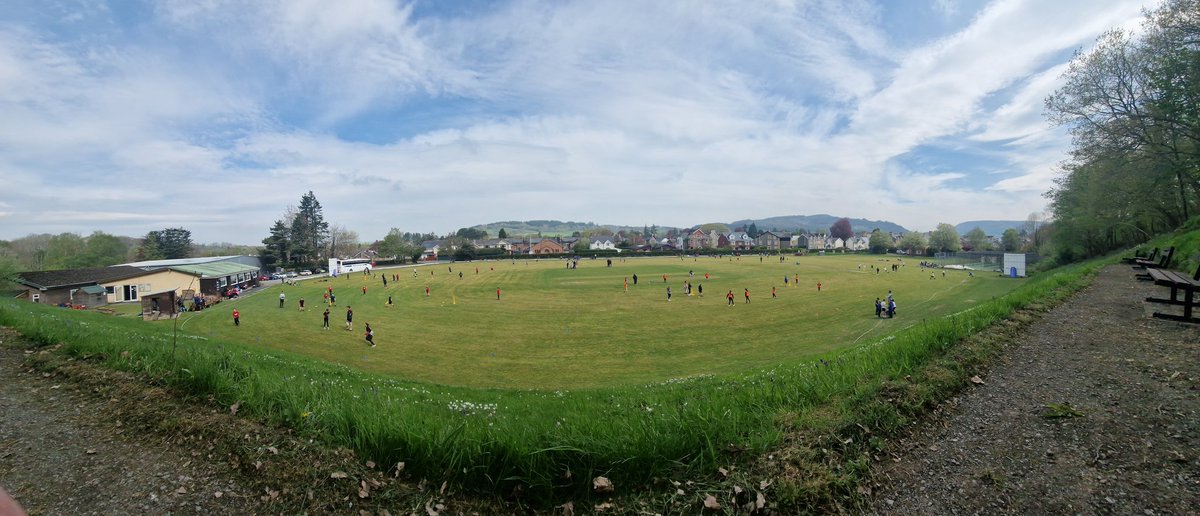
(432, 116)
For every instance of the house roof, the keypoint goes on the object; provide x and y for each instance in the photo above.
(92, 289)
(214, 270)
(44, 280)
(157, 264)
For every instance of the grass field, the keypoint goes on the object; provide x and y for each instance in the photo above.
(605, 396)
(559, 328)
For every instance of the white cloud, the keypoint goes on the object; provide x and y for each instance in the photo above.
(616, 112)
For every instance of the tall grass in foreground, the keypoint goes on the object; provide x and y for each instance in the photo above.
(493, 439)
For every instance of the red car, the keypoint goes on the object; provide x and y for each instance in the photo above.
(264, 277)
(232, 293)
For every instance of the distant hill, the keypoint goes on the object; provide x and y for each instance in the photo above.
(550, 227)
(990, 227)
(815, 223)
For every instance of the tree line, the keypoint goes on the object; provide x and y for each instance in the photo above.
(1132, 106)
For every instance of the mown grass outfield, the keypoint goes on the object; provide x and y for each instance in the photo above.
(559, 328)
(626, 386)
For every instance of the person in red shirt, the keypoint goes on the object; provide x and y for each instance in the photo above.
(497, 293)
(729, 297)
(747, 295)
(236, 318)
(426, 290)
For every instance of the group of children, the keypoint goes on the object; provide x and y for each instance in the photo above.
(888, 306)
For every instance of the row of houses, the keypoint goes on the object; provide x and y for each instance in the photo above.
(184, 278)
(696, 239)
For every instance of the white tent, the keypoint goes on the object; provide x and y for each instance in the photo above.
(1014, 265)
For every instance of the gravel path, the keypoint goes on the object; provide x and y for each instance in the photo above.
(60, 453)
(1126, 392)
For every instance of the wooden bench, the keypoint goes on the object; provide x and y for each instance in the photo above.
(1178, 282)
(1136, 256)
(1151, 264)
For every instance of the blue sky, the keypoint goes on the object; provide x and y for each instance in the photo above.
(216, 115)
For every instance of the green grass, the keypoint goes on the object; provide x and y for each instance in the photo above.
(556, 328)
(703, 377)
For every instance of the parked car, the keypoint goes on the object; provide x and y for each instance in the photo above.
(231, 293)
(306, 273)
(291, 274)
(264, 277)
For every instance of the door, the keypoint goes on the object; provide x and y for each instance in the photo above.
(130, 292)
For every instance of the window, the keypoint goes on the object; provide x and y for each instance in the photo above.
(110, 290)
(130, 291)
(37, 298)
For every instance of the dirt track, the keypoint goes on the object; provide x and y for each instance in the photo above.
(1096, 410)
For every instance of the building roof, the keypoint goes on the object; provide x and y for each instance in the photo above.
(92, 289)
(43, 280)
(160, 264)
(214, 270)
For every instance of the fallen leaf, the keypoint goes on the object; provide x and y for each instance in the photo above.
(443, 489)
(218, 494)
(724, 472)
(258, 464)
(273, 450)
(710, 502)
(737, 490)
(90, 451)
(602, 485)
(680, 492)
(234, 408)
(977, 380)
(371, 464)
(429, 510)
(764, 484)
(760, 502)
(568, 509)
(603, 507)
(338, 474)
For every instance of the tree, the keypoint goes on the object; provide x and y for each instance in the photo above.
(395, 246)
(502, 234)
(1132, 105)
(104, 249)
(277, 248)
(471, 233)
(309, 231)
(343, 242)
(166, 244)
(913, 243)
(944, 238)
(66, 251)
(880, 242)
(841, 229)
(582, 246)
(1011, 240)
(465, 251)
(977, 239)
(753, 230)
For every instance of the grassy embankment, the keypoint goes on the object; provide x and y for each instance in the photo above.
(634, 430)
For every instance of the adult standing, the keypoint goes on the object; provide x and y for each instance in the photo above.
(281, 299)
(301, 304)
